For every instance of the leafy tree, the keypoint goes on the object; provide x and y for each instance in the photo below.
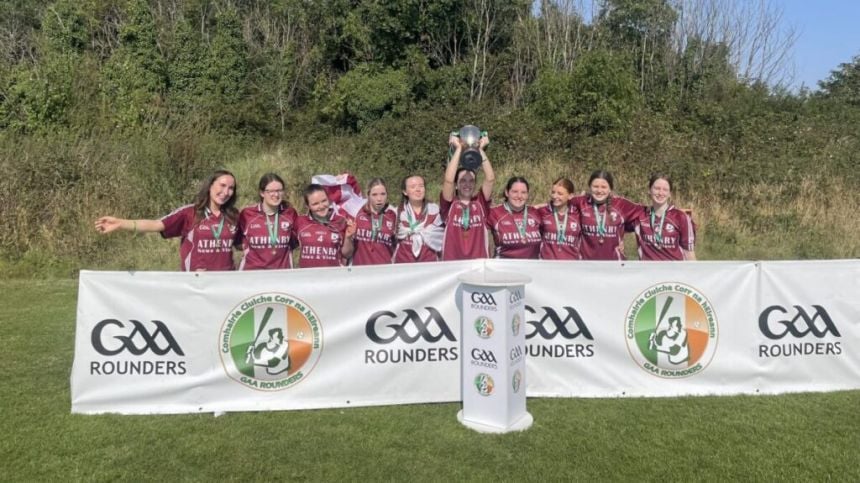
(136, 73)
(843, 83)
(599, 95)
(365, 94)
(186, 82)
(227, 69)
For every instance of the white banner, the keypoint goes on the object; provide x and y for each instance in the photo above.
(156, 342)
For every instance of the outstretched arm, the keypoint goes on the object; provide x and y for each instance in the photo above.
(108, 224)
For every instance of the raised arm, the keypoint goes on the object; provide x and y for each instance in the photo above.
(487, 167)
(451, 169)
(348, 247)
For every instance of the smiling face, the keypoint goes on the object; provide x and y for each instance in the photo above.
(517, 195)
(378, 197)
(559, 196)
(272, 195)
(600, 190)
(660, 192)
(415, 190)
(221, 190)
(318, 204)
(466, 185)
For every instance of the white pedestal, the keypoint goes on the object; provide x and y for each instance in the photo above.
(493, 357)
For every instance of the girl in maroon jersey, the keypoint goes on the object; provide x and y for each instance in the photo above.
(464, 209)
(602, 218)
(266, 228)
(560, 224)
(663, 232)
(325, 238)
(208, 227)
(516, 229)
(419, 224)
(375, 227)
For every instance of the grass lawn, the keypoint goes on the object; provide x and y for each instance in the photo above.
(791, 437)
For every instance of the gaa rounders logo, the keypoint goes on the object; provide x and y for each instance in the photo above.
(270, 341)
(671, 330)
(517, 381)
(516, 323)
(484, 384)
(484, 327)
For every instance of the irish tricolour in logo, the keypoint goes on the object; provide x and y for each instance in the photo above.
(484, 384)
(484, 327)
(270, 341)
(671, 330)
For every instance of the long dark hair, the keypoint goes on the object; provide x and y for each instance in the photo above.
(268, 178)
(201, 200)
(610, 180)
(511, 181)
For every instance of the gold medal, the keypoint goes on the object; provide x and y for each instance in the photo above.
(601, 240)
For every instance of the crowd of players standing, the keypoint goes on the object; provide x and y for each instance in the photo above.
(590, 226)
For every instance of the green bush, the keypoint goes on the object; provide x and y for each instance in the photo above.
(598, 96)
(366, 94)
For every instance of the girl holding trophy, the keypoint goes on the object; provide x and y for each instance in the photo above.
(463, 207)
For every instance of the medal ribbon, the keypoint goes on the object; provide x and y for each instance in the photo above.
(216, 231)
(375, 225)
(467, 219)
(601, 221)
(413, 222)
(560, 228)
(273, 230)
(658, 230)
(520, 226)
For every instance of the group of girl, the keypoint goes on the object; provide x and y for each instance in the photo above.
(569, 227)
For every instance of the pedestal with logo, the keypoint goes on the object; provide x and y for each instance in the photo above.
(493, 357)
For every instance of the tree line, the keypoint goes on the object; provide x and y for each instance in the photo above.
(263, 67)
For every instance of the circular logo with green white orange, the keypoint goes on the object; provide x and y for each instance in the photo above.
(270, 341)
(671, 330)
(484, 327)
(484, 384)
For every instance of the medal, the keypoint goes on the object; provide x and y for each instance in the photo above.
(375, 225)
(216, 230)
(466, 215)
(600, 240)
(658, 230)
(521, 225)
(601, 223)
(273, 232)
(559, 228)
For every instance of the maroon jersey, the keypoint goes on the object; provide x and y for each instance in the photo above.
(206, 244)
(465, 237)
(597, 243)
(561, 234)
(266, 239)
(663, 238)
(516, 234)
(374, 236)
(424, 229)
(320, 243)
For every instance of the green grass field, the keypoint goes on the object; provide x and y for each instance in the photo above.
(797, 437)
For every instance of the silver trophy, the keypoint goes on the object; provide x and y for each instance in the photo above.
(470, 135)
